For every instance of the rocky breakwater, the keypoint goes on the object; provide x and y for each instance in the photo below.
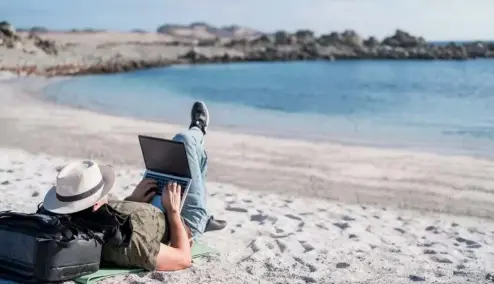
(304, 45)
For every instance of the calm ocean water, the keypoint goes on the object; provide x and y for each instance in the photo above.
(439, 106)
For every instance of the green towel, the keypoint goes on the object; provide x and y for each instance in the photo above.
(198, 249)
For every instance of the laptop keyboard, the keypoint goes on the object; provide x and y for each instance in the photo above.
(162, 181)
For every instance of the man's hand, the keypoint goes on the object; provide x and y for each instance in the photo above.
(144, 192)
(171, 198)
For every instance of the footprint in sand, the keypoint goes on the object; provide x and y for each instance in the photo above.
(322, 226)
(429, 251)
(281, 245)
(310, 267)
(157, 276)
(342, 226)
(254, 246)
(342, 265)
(400, 230)
(307, 246)
(416, 278)
(258, 218)
(236, 209)
(460, 273)
(293, 217)
(470, 244)
(440, 259)
(347, 218)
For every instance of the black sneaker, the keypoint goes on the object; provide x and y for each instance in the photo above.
(215, 225)
(199, 116)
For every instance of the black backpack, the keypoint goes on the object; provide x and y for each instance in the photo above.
(41, 248)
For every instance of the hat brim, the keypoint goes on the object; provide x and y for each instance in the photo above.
(52, 204)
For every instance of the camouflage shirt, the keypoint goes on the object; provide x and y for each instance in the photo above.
(149, 226)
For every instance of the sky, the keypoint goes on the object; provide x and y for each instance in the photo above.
(433, 19)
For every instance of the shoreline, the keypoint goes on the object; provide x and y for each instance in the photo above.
(75, 54)
(478, 149)
(403, 179)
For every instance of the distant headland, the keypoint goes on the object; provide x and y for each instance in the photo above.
(39, 51)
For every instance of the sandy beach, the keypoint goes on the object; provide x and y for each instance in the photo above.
(298, 212)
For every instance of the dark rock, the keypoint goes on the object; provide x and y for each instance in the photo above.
(351, 38)
(7, 29)
(263, 40)
(5, 182)
(305, 36)
(330, 39)
(371, 42)
(429, 251)
(284, 38)
(416, 278)
(352, 236)
(404, 39)
(430, 228)
(48, 46)
(195, 56)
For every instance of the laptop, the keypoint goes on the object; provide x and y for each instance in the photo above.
(166, 161)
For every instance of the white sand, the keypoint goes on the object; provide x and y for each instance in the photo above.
(284, 229)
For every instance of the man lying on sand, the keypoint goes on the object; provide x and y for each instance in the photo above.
(85, 186)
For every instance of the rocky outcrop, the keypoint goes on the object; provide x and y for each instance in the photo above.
(11, 39)
(115, 57)
(8, 36)
(48, 46)
(404, 39)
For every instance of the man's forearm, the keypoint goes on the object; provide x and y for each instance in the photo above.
(178, 234)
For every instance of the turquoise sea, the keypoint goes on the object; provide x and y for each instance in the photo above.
(442, 106)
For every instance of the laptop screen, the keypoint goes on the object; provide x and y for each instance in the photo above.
(164, 156)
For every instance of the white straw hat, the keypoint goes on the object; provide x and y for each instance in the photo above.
(79, 186)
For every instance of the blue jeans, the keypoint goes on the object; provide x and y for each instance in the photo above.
(194, 212)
